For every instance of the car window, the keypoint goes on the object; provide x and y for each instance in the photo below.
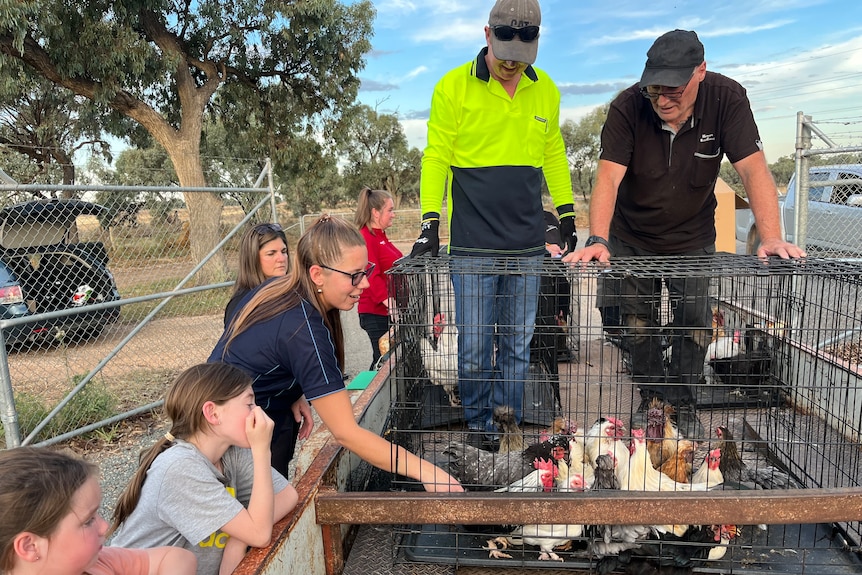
(842, 192)
(815, 193)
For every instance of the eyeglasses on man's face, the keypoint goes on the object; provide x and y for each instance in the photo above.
(653, 92)
(508, 33)
(355, 277)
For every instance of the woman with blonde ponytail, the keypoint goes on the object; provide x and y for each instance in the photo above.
(289, 334)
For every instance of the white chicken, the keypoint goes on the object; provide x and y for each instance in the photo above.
(723, 347)
(640, 475)
(709, 472)
(541, 479)
(600, 438)
(545, 537)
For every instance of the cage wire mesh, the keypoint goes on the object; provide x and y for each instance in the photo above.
(67, 255)
(675, 358)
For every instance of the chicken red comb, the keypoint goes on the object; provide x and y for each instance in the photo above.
(543, 464)
(638, 433)
(619, 426)
(713, 458)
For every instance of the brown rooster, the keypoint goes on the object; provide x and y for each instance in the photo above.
(678, 467)
(661, 434)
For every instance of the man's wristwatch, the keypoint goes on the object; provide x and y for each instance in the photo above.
(592, 240)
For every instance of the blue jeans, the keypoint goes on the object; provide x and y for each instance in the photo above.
(495, 302)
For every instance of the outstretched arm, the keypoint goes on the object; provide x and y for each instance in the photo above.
(337, 414)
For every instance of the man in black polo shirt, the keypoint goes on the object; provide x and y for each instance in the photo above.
(662, 146)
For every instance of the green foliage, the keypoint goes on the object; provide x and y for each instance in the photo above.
(148, 166)
(782, 170)
(583, 143)
(31, 410)
(92, 404)
(44, 125)
(728, 173)
(378, 155)
(283, 71)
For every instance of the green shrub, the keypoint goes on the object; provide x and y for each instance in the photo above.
(93, 403)
(31, 410)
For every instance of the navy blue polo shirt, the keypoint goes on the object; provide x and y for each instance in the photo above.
(288, 355)
(666, 200)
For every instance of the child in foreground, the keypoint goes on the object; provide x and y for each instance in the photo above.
(51, 524)
(207, 485)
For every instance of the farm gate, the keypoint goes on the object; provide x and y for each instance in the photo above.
(57, 382)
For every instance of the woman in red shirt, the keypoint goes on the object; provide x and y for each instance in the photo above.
(375, 213)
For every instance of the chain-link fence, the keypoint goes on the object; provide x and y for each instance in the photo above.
(828, 223)
(98, 314)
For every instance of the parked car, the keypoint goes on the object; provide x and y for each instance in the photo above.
(834, 213)
(43, 269)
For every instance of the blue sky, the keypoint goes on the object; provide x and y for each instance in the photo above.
(791, 55)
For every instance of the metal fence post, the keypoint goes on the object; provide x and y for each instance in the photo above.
(8, 414)
(800, 210)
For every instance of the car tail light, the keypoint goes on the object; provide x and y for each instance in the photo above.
(11, 294)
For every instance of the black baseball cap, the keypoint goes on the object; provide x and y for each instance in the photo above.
(672, 58)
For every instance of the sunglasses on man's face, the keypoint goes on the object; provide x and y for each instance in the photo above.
(508, 33)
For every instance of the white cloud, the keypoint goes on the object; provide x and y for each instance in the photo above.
(458, 32)
(419, 70)
(416, 132)
(701, 26)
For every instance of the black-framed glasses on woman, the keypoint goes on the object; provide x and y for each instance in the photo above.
(355, 277)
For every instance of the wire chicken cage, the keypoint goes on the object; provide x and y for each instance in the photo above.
(667, 373)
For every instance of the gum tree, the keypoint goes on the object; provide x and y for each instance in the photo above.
(277, 69)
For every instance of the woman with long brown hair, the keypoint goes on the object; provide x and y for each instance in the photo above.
(289, 334)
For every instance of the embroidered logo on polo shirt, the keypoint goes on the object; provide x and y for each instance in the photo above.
(707, 138)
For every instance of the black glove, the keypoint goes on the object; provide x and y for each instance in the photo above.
(429, 239)
(567, 229)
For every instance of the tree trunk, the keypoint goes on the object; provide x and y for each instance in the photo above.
(205, 210)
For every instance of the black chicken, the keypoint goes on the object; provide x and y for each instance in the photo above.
(748, 370)
(669, 554)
